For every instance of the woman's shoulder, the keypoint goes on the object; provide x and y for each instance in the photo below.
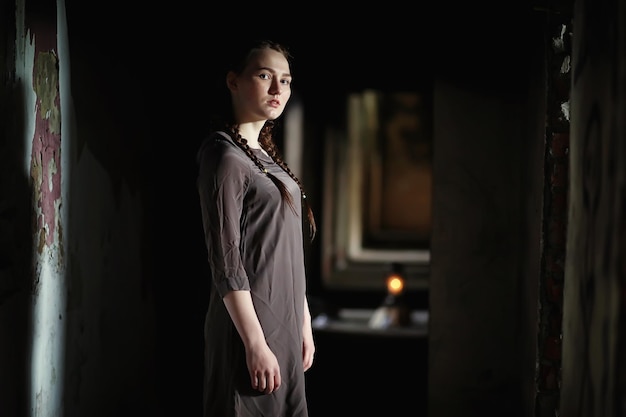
(217, 139)
(216, 143)
(219, 147)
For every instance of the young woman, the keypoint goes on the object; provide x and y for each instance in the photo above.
(258, 335)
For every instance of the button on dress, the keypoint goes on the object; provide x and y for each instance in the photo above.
(254, 242)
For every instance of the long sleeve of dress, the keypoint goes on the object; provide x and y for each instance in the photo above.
(222, 181)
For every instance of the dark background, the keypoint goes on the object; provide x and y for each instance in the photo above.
(158, 70)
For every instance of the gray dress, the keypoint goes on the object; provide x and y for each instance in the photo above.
(254, 242)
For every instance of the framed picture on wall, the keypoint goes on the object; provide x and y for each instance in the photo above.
(378, 185)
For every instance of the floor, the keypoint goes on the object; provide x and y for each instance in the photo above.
(368, 373)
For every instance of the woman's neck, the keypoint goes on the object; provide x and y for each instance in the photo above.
(250, 132)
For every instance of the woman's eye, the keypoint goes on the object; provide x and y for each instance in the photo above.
(264, 76)
(285, 82)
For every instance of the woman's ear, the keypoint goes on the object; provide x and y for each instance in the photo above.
(231, 81)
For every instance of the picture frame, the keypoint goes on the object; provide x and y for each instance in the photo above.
(378, 192)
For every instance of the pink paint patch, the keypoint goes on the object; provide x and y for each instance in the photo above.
(47, 152)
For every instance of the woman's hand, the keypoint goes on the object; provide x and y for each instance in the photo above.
(261, 362)
(308, 348)
(263, 368)
(308, 345)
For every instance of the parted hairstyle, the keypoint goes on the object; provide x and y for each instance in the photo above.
(225, 120)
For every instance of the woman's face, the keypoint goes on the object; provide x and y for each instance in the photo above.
(263, 88)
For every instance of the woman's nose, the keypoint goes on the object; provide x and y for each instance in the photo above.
(275, 88)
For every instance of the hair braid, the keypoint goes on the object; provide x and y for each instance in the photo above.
(268, 145)
(266, 142)
(243, 144)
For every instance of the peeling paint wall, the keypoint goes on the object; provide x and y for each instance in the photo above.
(39, 30)
(554, 221)
(45, 168)
(76, 316)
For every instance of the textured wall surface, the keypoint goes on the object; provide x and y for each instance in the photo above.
(558, 32)
(480, 193)
(593, 354)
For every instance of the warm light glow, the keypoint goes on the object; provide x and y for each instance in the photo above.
(395, 284)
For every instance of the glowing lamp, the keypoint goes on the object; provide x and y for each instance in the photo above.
(393, 311)
(395, 284)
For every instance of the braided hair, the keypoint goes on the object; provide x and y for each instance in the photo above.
(266, 139)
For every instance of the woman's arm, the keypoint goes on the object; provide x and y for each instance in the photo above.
(262, 363)
(308, 345)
